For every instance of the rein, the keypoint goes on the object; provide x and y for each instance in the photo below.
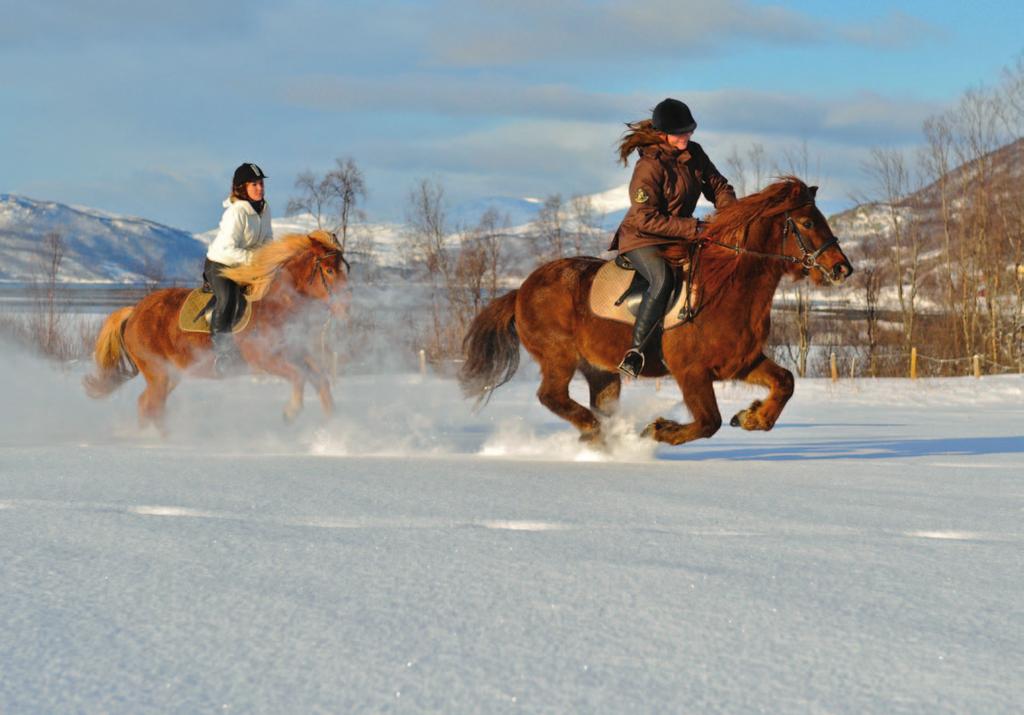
(808, 259)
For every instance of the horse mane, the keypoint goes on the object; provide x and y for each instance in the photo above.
(260, 271)
(639, 134)
(731, 225)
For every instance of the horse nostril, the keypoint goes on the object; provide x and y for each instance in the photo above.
(843, 270)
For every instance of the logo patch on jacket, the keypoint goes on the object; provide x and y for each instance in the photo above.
(641, 196)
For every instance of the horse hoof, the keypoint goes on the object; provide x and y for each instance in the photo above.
(649, 430)
(735, 421)
(593, 438)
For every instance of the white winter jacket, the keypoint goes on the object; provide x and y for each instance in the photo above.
(241, 232)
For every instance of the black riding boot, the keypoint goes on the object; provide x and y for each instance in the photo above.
(226, 358)
(649, 263)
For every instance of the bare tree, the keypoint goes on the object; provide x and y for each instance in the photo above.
(49, 313)
(737, 167)
(490, 234)
(889, 172)
(797, 160)
(425, 242)
(937, 164)
(758, 164)
(332, 200)
(550, 237)
(346, 187)
(587, 236)
(871, 275)
(315, 196)
(753, 165)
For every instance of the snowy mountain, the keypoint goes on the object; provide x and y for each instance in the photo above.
(98, 246)
(105, 247)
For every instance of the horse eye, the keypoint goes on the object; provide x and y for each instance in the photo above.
(808, 224)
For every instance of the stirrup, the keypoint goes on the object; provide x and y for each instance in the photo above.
(227, 364)
(632, 364)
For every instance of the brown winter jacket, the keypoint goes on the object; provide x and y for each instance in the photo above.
(663, 193)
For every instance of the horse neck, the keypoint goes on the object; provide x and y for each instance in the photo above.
(756, 279)
(282, 295)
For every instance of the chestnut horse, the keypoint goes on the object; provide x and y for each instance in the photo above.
(745, 251)
(284, 277)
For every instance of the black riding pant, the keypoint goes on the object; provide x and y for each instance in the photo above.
(226, 293)
(648, 262)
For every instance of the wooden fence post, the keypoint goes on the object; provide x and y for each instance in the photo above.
(423, 362)
(853, 367)
(832, 365)
(913, 363)
(977, 367)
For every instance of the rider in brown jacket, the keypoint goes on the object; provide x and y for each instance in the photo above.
(670, 175)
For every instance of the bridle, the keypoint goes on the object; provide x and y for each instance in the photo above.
(808, 260)
(318, 268)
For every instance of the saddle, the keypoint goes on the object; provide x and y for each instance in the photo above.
(618, 288)
(194, 316)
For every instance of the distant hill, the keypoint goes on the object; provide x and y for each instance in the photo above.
(99, 247)
(869, 225)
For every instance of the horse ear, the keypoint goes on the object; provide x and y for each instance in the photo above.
(813, 191)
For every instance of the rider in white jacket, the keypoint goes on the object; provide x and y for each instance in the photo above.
(244, 227)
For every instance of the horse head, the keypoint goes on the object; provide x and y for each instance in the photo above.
(321, 272)
(808, 239)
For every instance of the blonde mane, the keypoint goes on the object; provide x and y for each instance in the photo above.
(258, 274)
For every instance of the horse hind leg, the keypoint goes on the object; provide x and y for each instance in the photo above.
(153, 400)
(604, 389)
(554, 394)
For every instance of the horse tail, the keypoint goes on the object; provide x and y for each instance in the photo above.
(491, 348)
(113, 364)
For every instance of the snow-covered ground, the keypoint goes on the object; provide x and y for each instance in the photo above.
(410, 556)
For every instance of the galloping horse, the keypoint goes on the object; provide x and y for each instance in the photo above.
(285, 276)
(744, 253)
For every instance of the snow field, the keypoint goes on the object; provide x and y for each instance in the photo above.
(410, 556)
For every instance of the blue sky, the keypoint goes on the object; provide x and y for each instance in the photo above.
(145, 108)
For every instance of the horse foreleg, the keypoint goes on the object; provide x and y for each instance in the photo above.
(294, 374)
(761, 415)
(699, 397)
(322, 384)
(604, 389)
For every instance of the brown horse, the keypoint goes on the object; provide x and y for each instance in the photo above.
(746, 250)
(285, 277)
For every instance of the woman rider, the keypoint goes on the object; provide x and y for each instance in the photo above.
(244, 227)
(670, 175)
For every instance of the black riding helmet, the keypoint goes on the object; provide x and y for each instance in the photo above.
(673, 117)
(247, 173)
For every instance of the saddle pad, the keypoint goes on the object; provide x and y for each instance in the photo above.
(609, 285)
(192, 316)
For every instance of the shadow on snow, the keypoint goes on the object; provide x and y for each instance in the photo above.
(860, 449)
